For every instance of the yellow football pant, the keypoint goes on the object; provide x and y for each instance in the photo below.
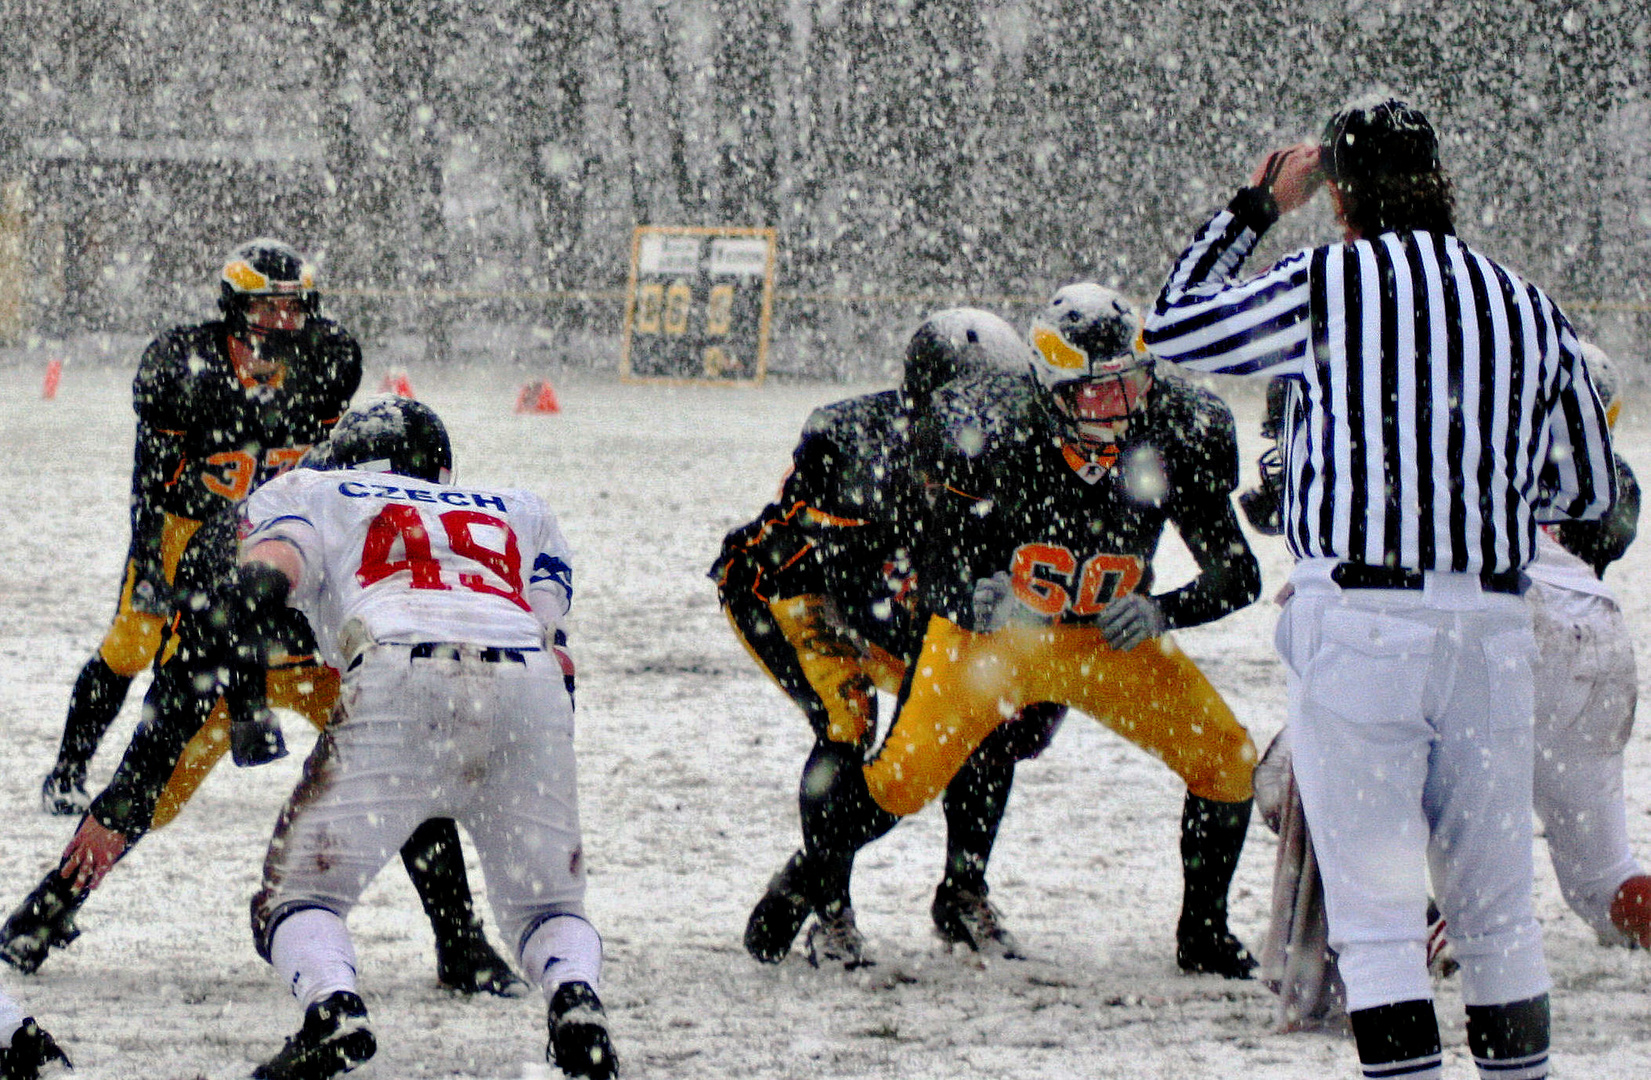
(838, 666)
(966, 684)
(308, 689)
(133, 636)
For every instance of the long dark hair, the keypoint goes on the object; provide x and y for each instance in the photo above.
(1383, 157)
(1417, 201)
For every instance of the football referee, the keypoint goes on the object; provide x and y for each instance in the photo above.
(1439, 409)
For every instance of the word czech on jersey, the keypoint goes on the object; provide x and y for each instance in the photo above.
(356, 490)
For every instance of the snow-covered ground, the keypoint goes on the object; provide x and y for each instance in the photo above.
(688, 764)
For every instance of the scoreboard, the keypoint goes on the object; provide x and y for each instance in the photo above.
(698, 305)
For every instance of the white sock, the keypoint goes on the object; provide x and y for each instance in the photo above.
(11, 1018)
(564, 949)
(311, 951)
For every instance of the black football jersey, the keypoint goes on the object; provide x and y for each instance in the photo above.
(1076, 528)
(208, 435)
(840, 526)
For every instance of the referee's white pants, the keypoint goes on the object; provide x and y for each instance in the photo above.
(1586, 687)
(1411, 723)
(489, 744)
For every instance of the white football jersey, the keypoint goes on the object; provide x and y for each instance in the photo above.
(1556, 567)
(413, 561)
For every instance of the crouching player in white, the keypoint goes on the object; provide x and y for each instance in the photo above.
(442, 607)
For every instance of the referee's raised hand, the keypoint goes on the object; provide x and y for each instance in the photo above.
(1291, 175)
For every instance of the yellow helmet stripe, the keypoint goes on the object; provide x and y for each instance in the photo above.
(1055, 350)
(241, 275)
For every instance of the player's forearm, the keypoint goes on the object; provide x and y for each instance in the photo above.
(1229, 576)
(279, 555)
(156, 459)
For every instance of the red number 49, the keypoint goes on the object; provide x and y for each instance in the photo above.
(399, 521)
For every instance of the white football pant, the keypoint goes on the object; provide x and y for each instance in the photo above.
(1411, 724)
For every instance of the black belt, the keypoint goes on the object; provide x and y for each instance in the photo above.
(1364, 576)
(428, 650)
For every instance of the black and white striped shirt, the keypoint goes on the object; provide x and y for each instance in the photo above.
(1439, 404)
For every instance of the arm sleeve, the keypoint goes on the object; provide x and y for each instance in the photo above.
(1581, 465)
(550, 582)
(1208, 320)
(177, 704)
(159, 454)
(1229, 577)
(277, 512)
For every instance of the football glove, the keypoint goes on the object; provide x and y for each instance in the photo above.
(1131, 619)
(255, 737)
(1263, 504)
(151, 596)
(994, 601)
(255, 604)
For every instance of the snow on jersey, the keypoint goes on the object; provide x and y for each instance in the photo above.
(417, 561)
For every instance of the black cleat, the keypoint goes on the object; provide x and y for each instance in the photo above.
(471, 966)
(44, 921)
(579, 1043)
(333, 1040)
(1214, 952)
(779, 915)
(966, 917)
(33, 1053)
(63, 792)
(835, 942)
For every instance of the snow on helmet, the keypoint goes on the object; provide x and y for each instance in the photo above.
(956, 342)
(264, 267)
(387, 434)
(1603, 372)
(1089, 356)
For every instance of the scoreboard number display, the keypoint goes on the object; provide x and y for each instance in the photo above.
(698, 305)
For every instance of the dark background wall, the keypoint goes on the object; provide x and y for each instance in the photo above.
(455, 164)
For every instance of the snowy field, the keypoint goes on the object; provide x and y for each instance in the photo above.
(688, 764)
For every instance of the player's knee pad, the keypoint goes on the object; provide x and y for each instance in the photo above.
(131, 643)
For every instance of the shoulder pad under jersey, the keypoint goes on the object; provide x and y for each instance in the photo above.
(851, 451)
(1194, 430)
(162, 390)
(972, 416)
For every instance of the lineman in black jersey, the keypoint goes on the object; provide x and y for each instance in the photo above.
(819, 590)
(1048, 500)
(221, 407)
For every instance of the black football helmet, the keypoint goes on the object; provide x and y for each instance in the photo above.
(956, 342)
(387, 434)
(265, 267)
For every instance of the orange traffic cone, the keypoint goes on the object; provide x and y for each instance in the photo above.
(54, 375)
(538, 397)
(397, 383)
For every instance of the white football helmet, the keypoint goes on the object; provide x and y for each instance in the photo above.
(1089, 356)
(1602, 371)
(955, 342)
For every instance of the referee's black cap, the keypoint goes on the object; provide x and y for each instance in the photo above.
(1378, 138)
